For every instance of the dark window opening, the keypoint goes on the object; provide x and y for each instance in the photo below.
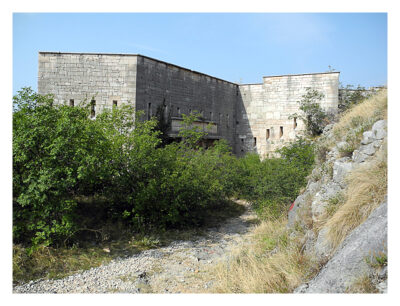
(281, 131)
(179, 111)
(115, 103)
(71, 102)
(237, 122)
(93, 109)
(268, 134)
(294, 122)
(255, 141)
(148, 111)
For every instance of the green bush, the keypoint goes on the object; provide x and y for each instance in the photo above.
(313, 116)
(72, 174)
(273, 183)
(57, 153)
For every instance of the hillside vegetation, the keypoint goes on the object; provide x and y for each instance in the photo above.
(341, 193)
(78, 182)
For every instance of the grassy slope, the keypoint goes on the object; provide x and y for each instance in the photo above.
(275, 262)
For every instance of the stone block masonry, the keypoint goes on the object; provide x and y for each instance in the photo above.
(264, 109)
(75, 78)
(250, 117)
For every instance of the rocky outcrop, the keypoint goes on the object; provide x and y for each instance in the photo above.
(355, 256)
(327, 183)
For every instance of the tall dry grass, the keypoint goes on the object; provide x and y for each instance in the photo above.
(367, 187)
(273, 263)
(367, 112)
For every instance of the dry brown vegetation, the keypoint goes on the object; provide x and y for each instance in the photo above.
(273, 263)
(362, 115)
(367, 187)
(363, 284)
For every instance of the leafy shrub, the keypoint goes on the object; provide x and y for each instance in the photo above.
(313, 116)
(71, 173)
(273, 183)
(57, 153)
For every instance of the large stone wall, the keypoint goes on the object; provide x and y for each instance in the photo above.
(264, 109)
(77, 76)
(183, 91)
(253, 117)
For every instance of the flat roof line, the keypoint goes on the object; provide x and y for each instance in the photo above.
(144, 56)
(180, 67)
(299, 74)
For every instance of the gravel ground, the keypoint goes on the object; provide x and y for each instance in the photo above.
(180, 267)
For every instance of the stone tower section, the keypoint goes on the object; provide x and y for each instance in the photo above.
(264, 109)
(72, 78)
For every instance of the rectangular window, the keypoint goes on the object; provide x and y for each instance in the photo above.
(255, 141)
(179, 111)
(281, 131)
(115, 103)
(294, 123)
(268, 135)
(71, 102)
(93, 109)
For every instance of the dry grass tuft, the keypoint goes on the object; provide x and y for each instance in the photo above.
(363, 284)
(367, 187)
(353, 123)
(370, 110)
(273, 263)
(47, 262)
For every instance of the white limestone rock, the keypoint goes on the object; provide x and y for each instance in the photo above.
(341, 168)
(379, 129)
(368, 137)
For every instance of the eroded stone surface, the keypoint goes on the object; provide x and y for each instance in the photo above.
(350, 261)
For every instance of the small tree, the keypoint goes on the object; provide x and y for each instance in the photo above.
(190, 133)
(313, 116)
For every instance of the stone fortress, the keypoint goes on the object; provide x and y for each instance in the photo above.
(251, 117)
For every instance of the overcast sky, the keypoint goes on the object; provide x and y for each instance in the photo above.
(236, 47)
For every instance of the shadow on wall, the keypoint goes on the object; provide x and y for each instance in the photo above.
(245, 140)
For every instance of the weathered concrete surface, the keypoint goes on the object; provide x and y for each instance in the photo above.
(252, 118)
(264, 109)
(350, 260)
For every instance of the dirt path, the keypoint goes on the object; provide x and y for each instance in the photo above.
(179, 267)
